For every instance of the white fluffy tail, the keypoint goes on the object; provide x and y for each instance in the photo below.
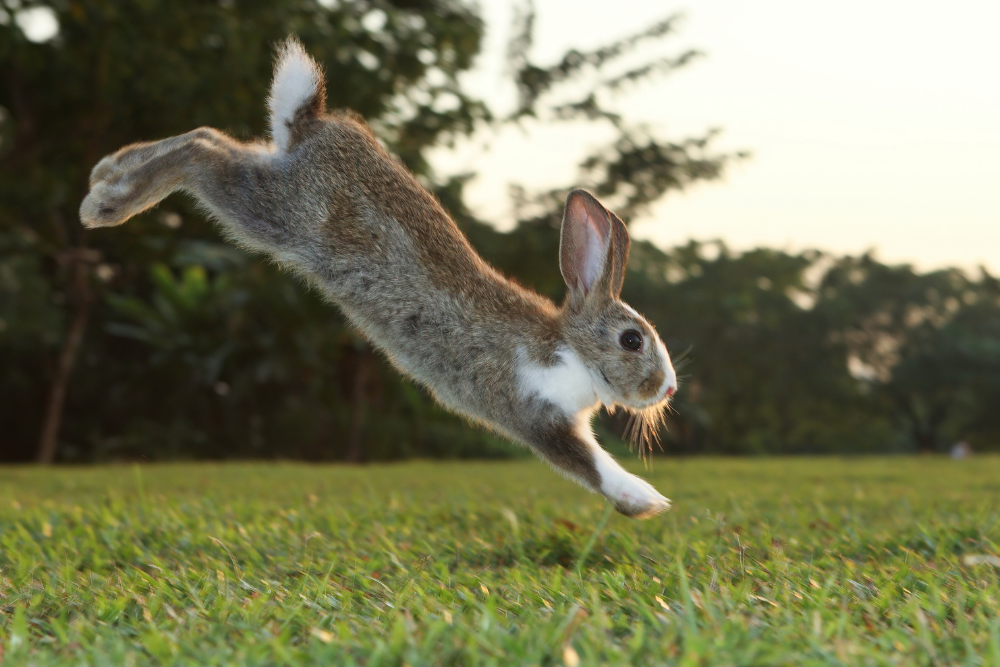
(297, 93)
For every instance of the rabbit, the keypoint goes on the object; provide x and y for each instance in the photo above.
(324, 199)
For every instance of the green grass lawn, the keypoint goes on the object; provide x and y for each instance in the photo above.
(761, 562)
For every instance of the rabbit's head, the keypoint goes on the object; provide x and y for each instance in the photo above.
(627, 360)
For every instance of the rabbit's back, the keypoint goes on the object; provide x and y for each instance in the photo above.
(387, 252)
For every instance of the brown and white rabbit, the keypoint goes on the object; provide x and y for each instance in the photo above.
(325, 199)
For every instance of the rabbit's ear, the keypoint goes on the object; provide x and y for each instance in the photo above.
(593, 249)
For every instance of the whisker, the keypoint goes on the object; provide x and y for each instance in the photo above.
(683, 356)
(643, 428)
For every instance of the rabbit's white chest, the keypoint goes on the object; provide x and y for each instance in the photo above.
(567, 384)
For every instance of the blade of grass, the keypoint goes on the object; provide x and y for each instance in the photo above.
(593, 539)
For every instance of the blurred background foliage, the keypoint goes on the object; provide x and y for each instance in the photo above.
(157, 340)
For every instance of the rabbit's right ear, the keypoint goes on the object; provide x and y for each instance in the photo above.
(593, 249)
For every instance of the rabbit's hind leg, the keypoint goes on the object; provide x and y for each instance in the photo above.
(113, 166)
(139, 176)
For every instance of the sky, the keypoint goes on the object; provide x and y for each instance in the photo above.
(872, 124)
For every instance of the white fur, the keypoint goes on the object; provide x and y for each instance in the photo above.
(628, 490)
(624, 488)
(296, 79)
(567, 384)
(670, 375)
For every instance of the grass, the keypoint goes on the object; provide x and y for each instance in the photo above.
(761, 562)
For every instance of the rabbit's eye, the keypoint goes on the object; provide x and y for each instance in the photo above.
(631, 340)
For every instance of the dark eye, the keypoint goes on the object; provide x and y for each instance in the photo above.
(631, 340)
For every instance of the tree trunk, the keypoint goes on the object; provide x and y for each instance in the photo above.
(80, 291)
(359, 406)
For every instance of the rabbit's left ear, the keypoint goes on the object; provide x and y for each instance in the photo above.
(593, 249)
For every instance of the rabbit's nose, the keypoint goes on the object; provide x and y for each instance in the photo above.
(670, 391)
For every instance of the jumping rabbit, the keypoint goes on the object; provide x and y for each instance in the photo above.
(326, 200)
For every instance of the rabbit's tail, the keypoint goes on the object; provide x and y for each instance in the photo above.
(298, 94)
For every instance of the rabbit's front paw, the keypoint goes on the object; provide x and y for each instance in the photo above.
(632, 496)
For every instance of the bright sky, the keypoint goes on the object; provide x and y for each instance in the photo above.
(872, 123)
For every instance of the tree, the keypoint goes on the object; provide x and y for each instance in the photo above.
(927, 344)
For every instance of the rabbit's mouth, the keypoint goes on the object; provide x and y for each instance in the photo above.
(661, 397)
